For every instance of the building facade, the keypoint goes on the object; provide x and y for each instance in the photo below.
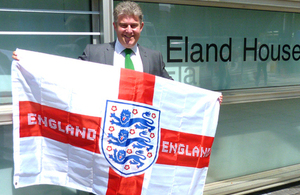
(248, 50)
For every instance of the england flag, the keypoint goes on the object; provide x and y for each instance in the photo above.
(106, 130)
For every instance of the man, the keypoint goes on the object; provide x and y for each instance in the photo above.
(128, 24)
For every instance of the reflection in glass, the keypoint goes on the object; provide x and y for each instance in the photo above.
(249, 67)
(69, 45)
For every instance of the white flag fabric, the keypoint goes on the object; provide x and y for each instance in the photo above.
(106, 130)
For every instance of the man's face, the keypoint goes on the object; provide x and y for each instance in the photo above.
(128, 29)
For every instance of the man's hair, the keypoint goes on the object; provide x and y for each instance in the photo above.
(129, 8)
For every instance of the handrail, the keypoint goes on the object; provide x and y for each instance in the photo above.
(260, 94)
(49, 11)
(5, 114)
(254, 182)
(47, 33)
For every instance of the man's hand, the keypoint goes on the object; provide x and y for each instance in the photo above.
(14, 56)
(220, 99)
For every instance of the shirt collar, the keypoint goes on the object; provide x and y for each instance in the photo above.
(119, 47)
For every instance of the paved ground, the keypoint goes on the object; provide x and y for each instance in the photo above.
(291, 189)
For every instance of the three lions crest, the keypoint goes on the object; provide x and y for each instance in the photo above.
(130, 137)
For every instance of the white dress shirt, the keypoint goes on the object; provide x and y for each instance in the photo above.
(119, 57)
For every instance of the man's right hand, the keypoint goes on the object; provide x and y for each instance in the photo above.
(14, 56)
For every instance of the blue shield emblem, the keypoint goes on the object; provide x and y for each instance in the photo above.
(130, 137)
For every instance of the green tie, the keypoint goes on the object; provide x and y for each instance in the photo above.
(128, 61)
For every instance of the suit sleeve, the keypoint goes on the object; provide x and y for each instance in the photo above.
(163, 70)
(85, 54)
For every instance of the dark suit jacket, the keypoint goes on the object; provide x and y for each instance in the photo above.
(104, 54)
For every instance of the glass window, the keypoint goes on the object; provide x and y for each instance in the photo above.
(83, 5)
(255, 137)
(224, 48)
(55, 27)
